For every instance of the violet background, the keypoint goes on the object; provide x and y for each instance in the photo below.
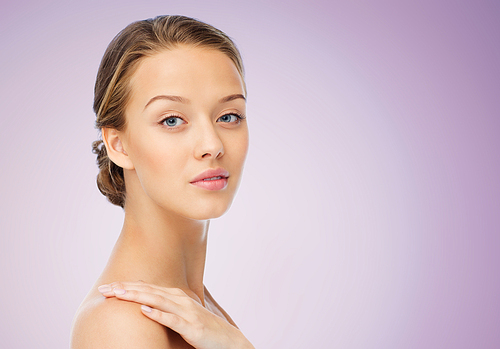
(368, 215)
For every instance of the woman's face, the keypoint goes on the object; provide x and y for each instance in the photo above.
(186, 115)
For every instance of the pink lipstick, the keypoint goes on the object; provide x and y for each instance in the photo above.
(211, 179)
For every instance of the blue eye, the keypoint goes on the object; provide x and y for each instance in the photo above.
(230, 118)
(173, 121)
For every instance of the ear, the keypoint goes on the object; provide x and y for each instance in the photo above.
(114, 147)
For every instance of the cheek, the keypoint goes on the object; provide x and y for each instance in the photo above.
(243, 146)
(158, 160)
(237, 141)
(236, 153)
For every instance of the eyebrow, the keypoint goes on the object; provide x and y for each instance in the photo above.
(232, 98)
(186, 101)
(167, 97)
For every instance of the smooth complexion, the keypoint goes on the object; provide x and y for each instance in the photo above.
(186, 88)
(186, 115)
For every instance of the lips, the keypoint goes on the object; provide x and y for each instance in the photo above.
(211, 179)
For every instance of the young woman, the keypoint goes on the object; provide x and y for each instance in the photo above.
(170, 103)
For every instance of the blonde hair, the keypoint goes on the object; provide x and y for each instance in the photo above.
(112, 88)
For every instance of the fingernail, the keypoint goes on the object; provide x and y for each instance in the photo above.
(146, 308)
(118, 291)
(104, 288)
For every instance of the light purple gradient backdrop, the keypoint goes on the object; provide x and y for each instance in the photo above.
(368, 216)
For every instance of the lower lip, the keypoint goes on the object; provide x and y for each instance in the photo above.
(216, 184)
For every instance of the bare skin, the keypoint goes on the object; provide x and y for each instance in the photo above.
(166, 143)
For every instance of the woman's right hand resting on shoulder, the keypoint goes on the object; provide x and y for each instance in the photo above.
(174, 309)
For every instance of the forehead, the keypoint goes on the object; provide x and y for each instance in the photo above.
(186, 71)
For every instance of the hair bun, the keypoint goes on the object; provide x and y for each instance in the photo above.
(110, 181)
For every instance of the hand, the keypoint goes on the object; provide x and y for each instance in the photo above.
(174, 309)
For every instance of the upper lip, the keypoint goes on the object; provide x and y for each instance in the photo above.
(211, 172)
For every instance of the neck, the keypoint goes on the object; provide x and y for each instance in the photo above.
(161, 248)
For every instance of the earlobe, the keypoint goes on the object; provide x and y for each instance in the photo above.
(114, 147)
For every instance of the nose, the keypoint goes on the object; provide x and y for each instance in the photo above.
(208, 144)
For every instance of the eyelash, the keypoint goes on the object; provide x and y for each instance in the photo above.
(162, 122)
(238, 116)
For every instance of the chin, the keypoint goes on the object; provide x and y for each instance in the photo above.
(208, 213)
(205, 210)
(196, 207)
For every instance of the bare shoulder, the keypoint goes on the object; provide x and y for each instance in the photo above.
(217, 309)
(111, 323)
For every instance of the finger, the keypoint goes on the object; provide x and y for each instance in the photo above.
(175, 295)
(114, 288)
(172, 321)
(145, 287)
(163, 302)
(204, 334)
(106, 291)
